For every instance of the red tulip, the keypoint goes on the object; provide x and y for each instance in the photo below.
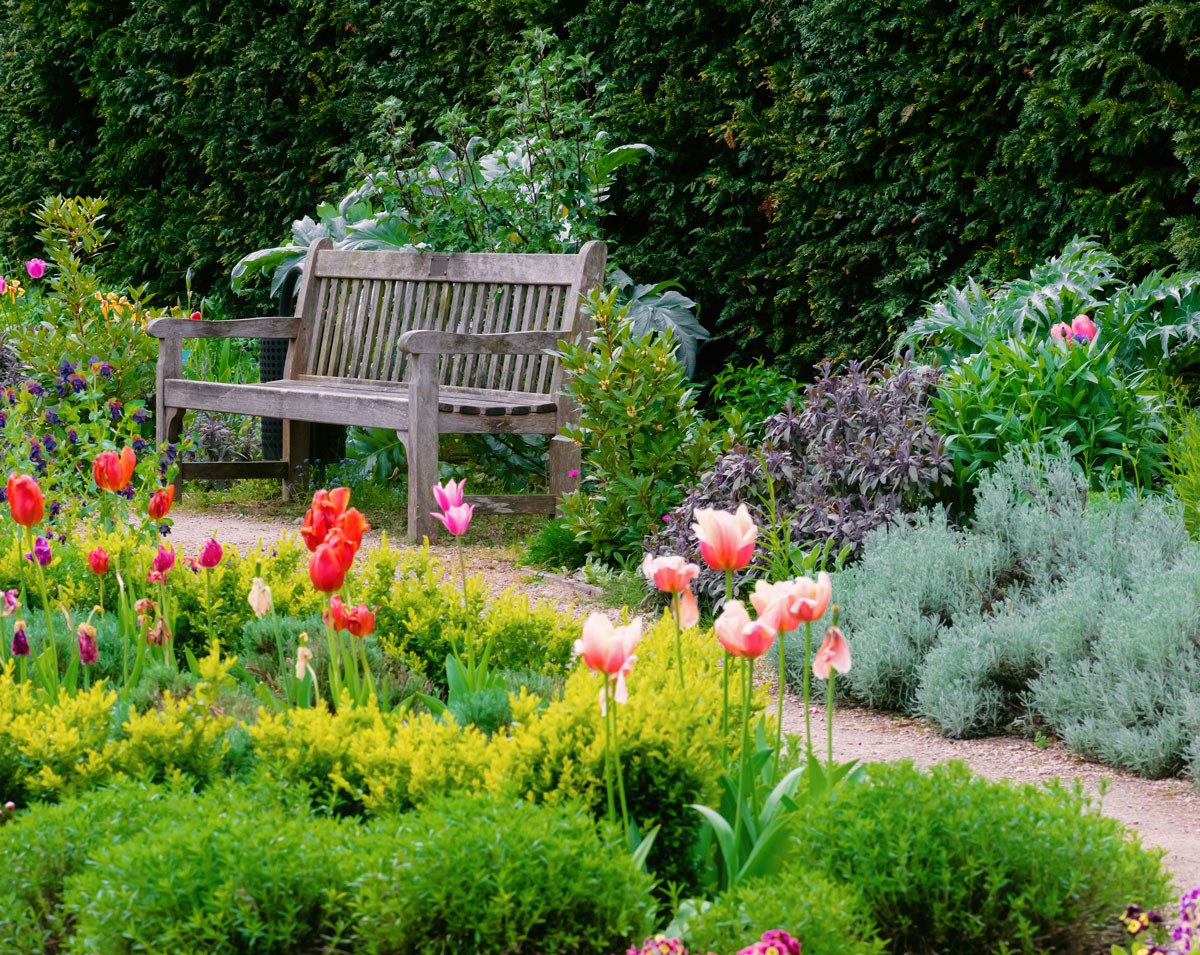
(726, 540)
(357, 620)
(160, 502)
(98, 561)
(352, 524)
(671, 575)
(326, 569)
(834, 653)
(342, 547)
(322, 517)
(25, 500)
(113, 471)
(740, 635)
(211, 554)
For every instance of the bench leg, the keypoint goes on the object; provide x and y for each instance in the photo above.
(168, 426)
(296, 452)
(422, 452)
(565, 457)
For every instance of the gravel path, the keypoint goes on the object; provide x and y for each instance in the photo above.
(1165, 812)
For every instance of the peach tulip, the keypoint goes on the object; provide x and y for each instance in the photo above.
(810, 597)
(689, 610)
(607, 648)
(834, 653)
(773, 604)
(740, 635)
(671, 575)
(726, 540)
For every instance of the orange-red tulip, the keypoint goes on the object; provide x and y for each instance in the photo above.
(726, 540)
(322, 517)
(25, 500)
(671, 575)
(326, 569)
(740, 635)
(113, 471)
(98, 561)
(834, 653)
(352, 524)
(359, 620)
(160, 502)
(343, 548)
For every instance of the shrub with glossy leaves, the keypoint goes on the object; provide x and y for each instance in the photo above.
(949, 862)
(858, 451)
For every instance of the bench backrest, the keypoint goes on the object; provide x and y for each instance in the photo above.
(356, 304)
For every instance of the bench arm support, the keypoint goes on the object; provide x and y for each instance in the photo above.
(427, 342)
(277, 326)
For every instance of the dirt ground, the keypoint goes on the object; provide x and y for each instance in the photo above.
(1166, 813)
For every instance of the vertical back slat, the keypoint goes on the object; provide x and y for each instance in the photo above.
(453, 321)
(472, 319)
(412, 318)
(499, 324)
(385, 353)
(358, 331)
(553, 321)
(510, 368)
(329, 324)
(344, 318)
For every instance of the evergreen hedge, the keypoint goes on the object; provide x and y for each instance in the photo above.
(824, 166)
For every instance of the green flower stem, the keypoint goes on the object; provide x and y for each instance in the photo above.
(807, 675)
(20, 568)
(335, 665)
(779, 713)
(462, 567)
(728, 662)
(616, 747)
(5, 646)
(41, 577)
(608, 749)
(169, 637)
(744, 768)
(678, 637)
(368, 679)
(208, 602)
(829, 717)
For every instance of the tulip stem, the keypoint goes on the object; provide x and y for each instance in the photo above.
(678, 637)
(725, 680)
(829, 718)
(24, 593)
(779, 712)
(807, 672)
(462, 568)
(608, 750)
(45, 605)
(743, 771)
(208, 602)
(616, 747)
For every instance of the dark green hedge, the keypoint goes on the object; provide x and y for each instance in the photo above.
(823, 167)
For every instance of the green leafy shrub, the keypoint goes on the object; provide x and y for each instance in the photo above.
(489, 876)
(1049, 612)
(554, 545)
(641, 434)
(825, 917)
(1015, 391)
(747, 395)
(949, 862)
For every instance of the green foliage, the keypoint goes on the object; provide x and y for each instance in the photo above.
(950, 862)
(490, 876)
(747, 395)
(825, 917)
(555, 545)
(1183, 456)
(1013, 392)
(641, 434)
(661, 309)
(1048, 614)
(536, 185)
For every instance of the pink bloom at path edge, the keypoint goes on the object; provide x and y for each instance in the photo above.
(36, 268)
(726, 540)
(740, 635)
(609, 650)
(449, 494)
(671, 575)
(789, 603)
(211, 554)
(834, 653)
(457, 519)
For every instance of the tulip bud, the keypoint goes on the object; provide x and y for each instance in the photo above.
(25, 500)
(259, 598)
(211, 554)
(98, 561)
(88, 652)
(160, 502)
(20, 643)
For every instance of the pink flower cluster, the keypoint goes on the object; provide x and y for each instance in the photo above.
(775, 942)
(1082, 330)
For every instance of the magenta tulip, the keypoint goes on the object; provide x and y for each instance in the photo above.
(449, 494)
(210, 554)
(457, 519)
(1083, 329)
(36, 268)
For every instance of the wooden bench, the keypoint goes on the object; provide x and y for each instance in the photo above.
(419, 343)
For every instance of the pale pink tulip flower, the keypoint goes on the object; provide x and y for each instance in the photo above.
(726, 540)
(740, 635)
(1060, 332)
(833, 654)
(689, 610)
(671, 575)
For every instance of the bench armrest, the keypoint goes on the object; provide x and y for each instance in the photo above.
(423, 341)
(278, 326)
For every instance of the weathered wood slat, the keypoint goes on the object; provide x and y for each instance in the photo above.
(554, 319)
(490, 267)
(229, 470)
(512, 503)
(422, 342)
(275, 326)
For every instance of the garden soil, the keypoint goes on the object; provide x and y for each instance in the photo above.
(1166, 813)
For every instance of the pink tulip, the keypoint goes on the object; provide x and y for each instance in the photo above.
(689, 611)
(1083, 328)
(811, 597)
(834, 652)
(449, 495)
(36, 268)
(164, 560)
(773, 604)
(1060, 332)
(671, 575)
(740, 635)
(211, 554)
(457, 519)
(726, 540)
(606, 648)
